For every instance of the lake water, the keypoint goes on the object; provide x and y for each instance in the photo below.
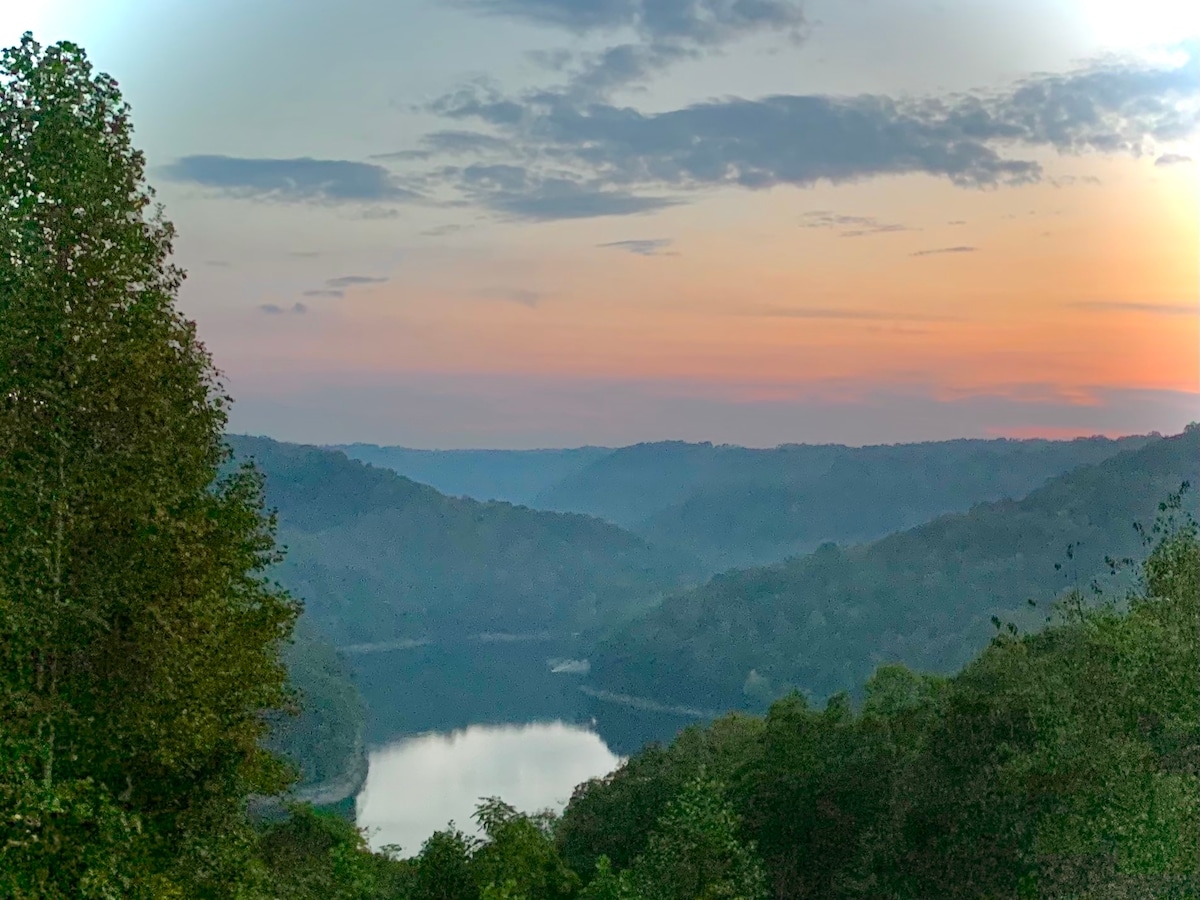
(416, 785)
(450, 725)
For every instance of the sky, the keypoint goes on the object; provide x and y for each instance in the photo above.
(544, 223)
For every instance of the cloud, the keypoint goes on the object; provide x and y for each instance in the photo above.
(345, 281)
(859, 226)
(872, 315)
(325, 292)
(957, 222)
(1154, 309)
(525, 297)
(597, 75)
(290, 180)
(797, 140)
(973, 140)
(373, 213)
(1107, 107)
(1068, 180)
(700, 22)
(667, 31)
(944, 250)
(443, 230)
(276, 310)
(642, 247)
(519, 193)
(449, 143)
(1173, 159)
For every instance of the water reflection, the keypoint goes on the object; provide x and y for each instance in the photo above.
(416, 785)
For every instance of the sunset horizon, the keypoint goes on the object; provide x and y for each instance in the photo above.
(753, 229)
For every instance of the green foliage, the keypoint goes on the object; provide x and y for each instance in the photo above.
(443, 870)
(319, 856)
(605, 884)
(922, 597)
(519, 858)
(140, 639)
(695, 853)
(325, 739)
(613, 817)
(1059, 763)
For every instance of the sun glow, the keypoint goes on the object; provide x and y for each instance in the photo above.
(1118, 24)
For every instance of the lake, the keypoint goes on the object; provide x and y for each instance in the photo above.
(416, 785)
(451, 724)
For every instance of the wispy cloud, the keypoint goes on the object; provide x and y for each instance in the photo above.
(580, 157)
(346, 281)
(653, 247)
(522, 296)
(449, 143)
(701, 22)
(938, 250)
(275, 309)
(854, 226)
(290, 180)
(443, 230)
(520, 193)
(1173, 159)
(1153, 309)
(870, 315)
(324, 292)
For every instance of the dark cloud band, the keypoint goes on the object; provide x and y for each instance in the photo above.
(304, 179)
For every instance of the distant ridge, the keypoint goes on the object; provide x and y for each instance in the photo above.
(377, 557)
(924, 596)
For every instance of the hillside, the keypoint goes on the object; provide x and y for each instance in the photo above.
(923, 596)
(735, 506)
(327, 739)
(514, 476)
(378, 557)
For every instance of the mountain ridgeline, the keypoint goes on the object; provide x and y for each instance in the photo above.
(923, 597)
(514, 476)
(377, 557)
(737, 506)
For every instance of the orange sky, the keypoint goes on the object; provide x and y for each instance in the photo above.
(1046, 299)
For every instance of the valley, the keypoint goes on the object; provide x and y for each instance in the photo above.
(426, 654)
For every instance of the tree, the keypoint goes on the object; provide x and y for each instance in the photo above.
(140, 638)
(519, 858)
(444, 867)
(318, 856)
(696, 853)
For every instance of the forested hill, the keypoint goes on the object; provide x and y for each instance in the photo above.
(924, 596)
(735, 506)
(516, 476)
(377, 557)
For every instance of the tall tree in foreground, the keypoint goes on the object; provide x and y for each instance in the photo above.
(139, 640)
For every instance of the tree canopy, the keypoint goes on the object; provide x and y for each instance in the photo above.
(140, 637)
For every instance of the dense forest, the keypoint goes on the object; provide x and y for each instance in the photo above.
(323, 730)
(149, 655)
(1059, 763)
(736, 506)
(924, 596)
(378, 557)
